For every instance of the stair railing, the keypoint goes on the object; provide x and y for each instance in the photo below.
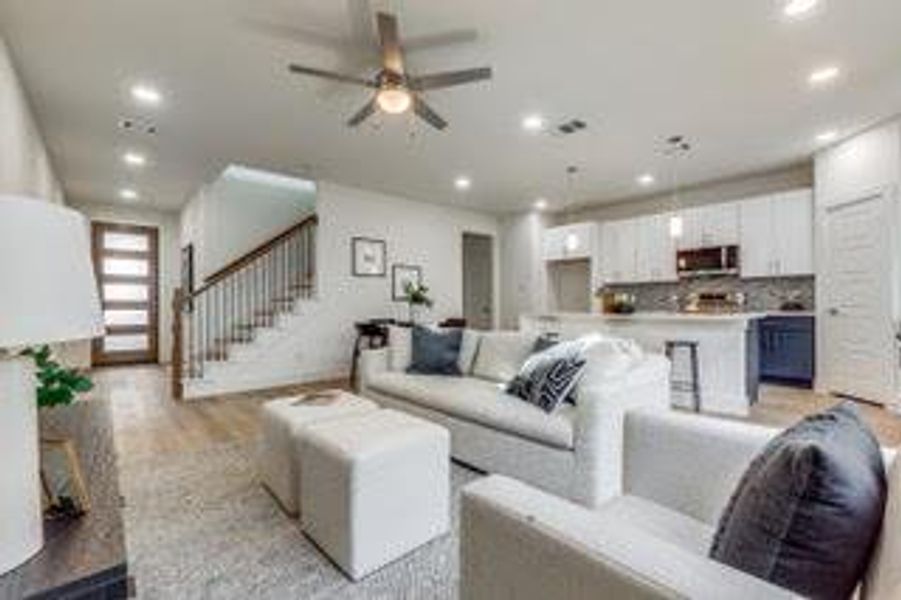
(236, 301)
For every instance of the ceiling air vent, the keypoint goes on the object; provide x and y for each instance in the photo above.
(138, 125)
(572, 126)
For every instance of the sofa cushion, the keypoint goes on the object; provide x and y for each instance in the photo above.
(435, 352)
(501, 354)
(548, 377)
(607, 359)
(660, 522)
(400, 348)
(482, 402)
(469, 347)
(883, 580)
(808, 510)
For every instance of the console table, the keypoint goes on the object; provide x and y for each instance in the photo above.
(82, 559)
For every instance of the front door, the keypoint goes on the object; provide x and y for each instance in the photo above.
(859, 332)
(126, 264)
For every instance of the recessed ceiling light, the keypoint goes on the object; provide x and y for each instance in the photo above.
(797, 8)
(646, 179)
(146, 94)
(533, 123)
(823, 75)
(134, 159)
(462, 183)
(128, 194)
(827, 136)
(541, 204)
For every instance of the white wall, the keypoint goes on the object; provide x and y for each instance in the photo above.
(231, 216)
(864, 164)
(169, 262)
(25, 167)
(522, 270)
(317, 343)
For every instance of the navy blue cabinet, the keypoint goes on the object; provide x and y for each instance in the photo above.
(786, 345)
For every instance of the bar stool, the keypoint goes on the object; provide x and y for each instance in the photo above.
(692, 386)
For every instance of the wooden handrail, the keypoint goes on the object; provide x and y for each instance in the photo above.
(252, 255)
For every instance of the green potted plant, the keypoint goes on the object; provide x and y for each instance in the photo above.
(417, 295)
(57, 385)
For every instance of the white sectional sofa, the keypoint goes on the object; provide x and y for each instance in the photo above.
(650, 543)
(574, 452)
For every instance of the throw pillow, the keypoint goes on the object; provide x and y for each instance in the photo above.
(469, 347)
(607, 360)
(501, 354)
(807, 513)
(435, 351)
(544, 342)
(399, 348)
(548, 377)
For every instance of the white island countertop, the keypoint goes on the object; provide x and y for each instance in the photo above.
(741, 317)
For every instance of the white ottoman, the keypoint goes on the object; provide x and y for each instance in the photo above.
(283, 421)
(374, 487)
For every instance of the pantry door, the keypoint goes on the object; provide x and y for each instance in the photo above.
(126, 261)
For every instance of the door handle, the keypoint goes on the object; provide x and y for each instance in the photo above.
(834, 312)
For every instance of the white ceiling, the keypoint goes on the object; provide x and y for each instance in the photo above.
(730, 74)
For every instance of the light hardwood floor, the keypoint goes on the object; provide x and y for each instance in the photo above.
(148, 421)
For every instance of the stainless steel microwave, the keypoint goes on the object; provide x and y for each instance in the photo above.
(713, 260)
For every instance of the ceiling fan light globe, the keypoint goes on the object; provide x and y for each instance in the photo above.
(394, 100)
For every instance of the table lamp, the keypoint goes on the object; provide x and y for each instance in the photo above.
(48, 294)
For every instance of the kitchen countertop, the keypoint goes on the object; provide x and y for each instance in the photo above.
(657, 316)
(674, 316)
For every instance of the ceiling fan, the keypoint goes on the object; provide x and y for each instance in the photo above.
(396, 91)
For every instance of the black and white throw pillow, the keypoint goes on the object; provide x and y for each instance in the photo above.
(548, 377)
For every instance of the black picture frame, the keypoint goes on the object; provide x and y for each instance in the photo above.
(379, 254)
(397, 279)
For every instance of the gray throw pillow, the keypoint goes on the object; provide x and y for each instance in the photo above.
(548, 377)
(435, 352)
(807, 513)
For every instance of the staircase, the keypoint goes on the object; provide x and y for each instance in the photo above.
(239, 303)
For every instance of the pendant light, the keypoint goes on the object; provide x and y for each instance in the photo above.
(571, 243)
(676, 147)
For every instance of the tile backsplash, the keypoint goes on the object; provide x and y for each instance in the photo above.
(760, 294)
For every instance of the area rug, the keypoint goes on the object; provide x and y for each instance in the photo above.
(199, 525)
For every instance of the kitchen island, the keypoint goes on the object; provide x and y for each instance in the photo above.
(727, 348)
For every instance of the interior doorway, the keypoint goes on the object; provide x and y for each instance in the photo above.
(126, 262)
(478, 280)
(859, 334)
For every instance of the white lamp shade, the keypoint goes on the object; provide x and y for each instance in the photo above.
(48, 292)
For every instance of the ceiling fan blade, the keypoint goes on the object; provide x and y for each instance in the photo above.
(428, 115)
(449, 79)
(439, 40)
(392, 56)
(301, 70)
(362, 114)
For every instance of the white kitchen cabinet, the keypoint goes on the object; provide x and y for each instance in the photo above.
(705, 226)
(569, 242)
(777, 235)
(655, 249)
(618, 251)
(637, 250)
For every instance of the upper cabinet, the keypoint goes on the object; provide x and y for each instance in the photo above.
(569, 242)
(714, 225)
(638, 250)
(777, 235)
